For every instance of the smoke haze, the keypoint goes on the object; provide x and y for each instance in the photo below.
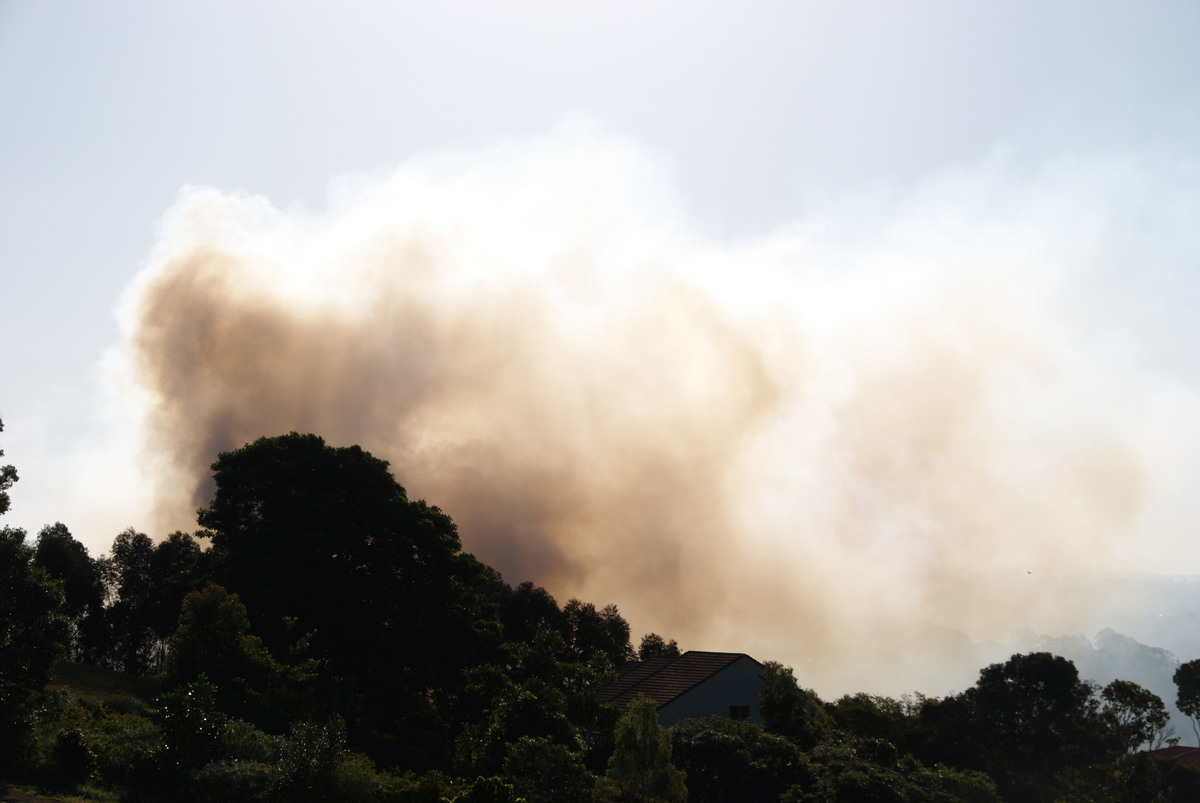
(863, 446)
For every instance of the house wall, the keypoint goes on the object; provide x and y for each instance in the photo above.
(736, 684)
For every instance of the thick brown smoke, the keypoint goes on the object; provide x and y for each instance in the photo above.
(845, 455)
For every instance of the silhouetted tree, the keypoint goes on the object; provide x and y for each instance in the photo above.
(326, 535)
(1032, 717)
(589, 631)
(1187, 699)
(66, 560)
(529, 610)
(788, 709)
(8, 476)
(655, 646)
(178, 566)
(1133, 716)
(33, 634)
(133, 590)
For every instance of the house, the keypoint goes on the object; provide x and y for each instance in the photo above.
(696, 684)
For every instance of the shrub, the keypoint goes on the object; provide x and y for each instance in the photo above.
(221, 781)
(72, 759)
(489, 790)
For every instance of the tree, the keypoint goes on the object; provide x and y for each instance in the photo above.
(213, 640)
(882, 717)
(864, 769)
(178, 566)
(787, 709)
(543, 771)
(488, 789)
(33, 634)
(529, 610)
(67, 561)
(1133, 716)
(8, 476)
(726, 759)
(33, 631)
(328, 537)
(535, 689)
(131, 586)
(1187, 699)
(1032, 716)
(655, 646)
(640, 768)
(605, 631)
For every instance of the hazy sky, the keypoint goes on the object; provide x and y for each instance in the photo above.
(1026, 174)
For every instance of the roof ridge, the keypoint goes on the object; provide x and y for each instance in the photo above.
(674, 677)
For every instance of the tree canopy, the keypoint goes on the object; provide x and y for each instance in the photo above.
(336, 626)
(325, 535)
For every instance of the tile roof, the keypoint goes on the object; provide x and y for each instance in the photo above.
(664, 679)
(1187, 756)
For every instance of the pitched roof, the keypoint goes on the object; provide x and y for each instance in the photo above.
(1187, 756)
(664, 679)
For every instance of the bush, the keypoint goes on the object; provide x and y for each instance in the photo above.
(121, 744)
(196, 733)
(72, 759)
(315, 765)
(489, 790)
(223, 781)
(543, 771)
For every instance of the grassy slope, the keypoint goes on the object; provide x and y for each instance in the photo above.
(93, 684)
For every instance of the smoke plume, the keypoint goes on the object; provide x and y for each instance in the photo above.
(861, 446)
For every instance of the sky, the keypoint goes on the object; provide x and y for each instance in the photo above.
(778, 324)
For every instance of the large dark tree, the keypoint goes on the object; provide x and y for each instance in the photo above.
(1031, 717)
(326, 535)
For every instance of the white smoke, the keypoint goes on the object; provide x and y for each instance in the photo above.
(898, 424)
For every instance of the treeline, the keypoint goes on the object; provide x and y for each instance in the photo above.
(324, 637)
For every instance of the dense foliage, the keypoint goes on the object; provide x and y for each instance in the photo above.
(324, 637)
